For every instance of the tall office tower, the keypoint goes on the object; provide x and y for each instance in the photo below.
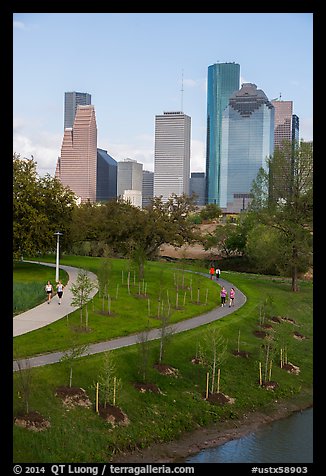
(106, 176)
(286, 123)
(222, 80)
(198, 187)
(247, 141)
(295, 129)
(148, 188)
(76, 167)
(72, 100)
(130, 176)
(172, 154)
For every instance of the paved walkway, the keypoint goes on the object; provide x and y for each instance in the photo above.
(44, 314)
(185, 325)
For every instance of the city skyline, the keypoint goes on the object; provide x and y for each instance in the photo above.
(139, 65)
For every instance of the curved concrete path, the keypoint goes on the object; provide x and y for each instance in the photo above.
(185, 325)
(45, 313)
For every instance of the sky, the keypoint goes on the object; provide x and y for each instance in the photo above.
(139, 65)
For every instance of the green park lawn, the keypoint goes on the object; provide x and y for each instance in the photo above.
(80, 435)
(29, 280)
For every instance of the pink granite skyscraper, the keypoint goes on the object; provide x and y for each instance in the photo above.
(76, 167)
(283, 122)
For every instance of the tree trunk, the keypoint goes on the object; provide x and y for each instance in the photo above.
(294, 270)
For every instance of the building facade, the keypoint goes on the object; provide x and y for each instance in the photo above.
(198, 187)
(222, 81)
(172, 154)
(286, 123)
(247, 141)
(77, 164)
(130, 176)
(148, 188)
(72, 100)
(106, 177)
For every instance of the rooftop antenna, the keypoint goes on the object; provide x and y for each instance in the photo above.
(181, 91)
(280, 95)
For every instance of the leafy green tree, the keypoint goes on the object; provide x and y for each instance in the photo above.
(211, 211)
(41, 206)
(283, 202)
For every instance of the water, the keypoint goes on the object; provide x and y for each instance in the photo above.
(289, 440)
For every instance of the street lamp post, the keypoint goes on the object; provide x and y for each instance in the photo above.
(57, 259)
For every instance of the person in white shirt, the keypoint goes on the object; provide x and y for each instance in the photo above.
(60, 291)
(49, 291)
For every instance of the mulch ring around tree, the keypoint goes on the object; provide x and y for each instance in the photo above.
(196, 361)
(219, 398)
(166, 369)
(291, 368)
(72, 396)
(241, 353)
(269, 384)
(147, 387)
(261, 334)
(298, 336)
(32, 421)
(113, 415)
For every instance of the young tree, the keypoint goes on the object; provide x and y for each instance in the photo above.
(212, 352)
(24, 381)
(144, 351)
(283, 201)
(103, 276)
(107, 380)
(166, 333)
(74, 352)
(81, 290)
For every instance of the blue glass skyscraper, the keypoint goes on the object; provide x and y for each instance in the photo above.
(247, 141)
(223, 79)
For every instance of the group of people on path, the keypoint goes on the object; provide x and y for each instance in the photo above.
(223, 293)
(214, 272)
(50, 291)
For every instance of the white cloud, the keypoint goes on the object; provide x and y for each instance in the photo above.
(45, 148)
(306, 129)
(198, 154)
(19, 25)
(191, 83)
(143, 155)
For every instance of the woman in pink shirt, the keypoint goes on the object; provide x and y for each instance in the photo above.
(232, 294)
(223, 295)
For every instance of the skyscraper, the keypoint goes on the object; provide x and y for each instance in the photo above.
(247, 140)
(286, 123)
(172, 154)
(130, 176)
(106, 176)
(76, 167)
(197, 187)
(223, 79)
(148, 188)
(72, 100)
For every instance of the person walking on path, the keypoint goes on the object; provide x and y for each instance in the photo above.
(223, 295)
(218, 273)
(232, 295)
(212, 271)
(59, 291)
(49, 291)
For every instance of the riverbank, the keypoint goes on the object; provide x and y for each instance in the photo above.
(191, 443)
